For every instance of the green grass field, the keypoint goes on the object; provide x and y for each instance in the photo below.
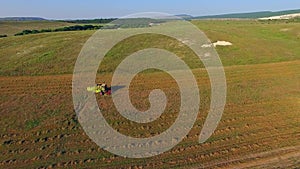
(259, 128)
(12, 27)
(55, 53)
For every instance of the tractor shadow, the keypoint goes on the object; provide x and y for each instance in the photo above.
(116, 88)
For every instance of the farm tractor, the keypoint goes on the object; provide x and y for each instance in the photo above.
(101, 89)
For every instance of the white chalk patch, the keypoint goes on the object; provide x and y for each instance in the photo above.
(187, 41)
(290, 16)
(218, 43)
(222, 43)
(207, 45)
(207, 55)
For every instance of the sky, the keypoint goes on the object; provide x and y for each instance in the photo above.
(83, 9)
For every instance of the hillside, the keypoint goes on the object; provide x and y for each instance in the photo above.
(12, 27)
(22, 19)
(282, 17)
(253, 43)
(251, 15)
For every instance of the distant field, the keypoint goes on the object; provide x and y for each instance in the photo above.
(259, 129)
(49, 53)
(12, 27)
(253, 41)
(55, 53)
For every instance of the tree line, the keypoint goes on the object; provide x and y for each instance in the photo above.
(3, 36)
(68, 28)
(94, 21)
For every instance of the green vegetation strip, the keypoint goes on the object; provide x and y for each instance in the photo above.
(68, 28)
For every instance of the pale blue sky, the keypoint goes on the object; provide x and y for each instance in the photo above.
(71, 9)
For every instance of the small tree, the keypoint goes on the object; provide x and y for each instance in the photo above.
(3, 36)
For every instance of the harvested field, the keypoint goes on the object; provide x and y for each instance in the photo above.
(259, 128)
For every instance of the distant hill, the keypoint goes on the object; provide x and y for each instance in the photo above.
(252, 15)
(185, 16)
(284, 17)
(22, 19)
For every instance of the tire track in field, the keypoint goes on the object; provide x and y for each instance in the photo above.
(262, 159)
